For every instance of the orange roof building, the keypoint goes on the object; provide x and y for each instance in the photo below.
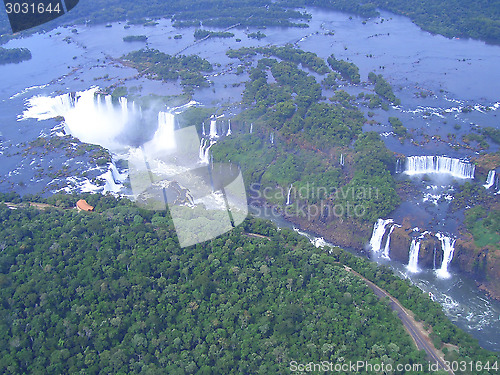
(82, 205)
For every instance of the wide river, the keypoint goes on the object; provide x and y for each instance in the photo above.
(453, 73)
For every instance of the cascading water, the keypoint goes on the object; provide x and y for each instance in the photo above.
(416, 165)
(342, 159)
(387, 248)
(378, 233)
(213, 127)
(271, 138)
(289, 195)
(251, 128)
(229, 132)
(490, 180)
(203, 129)
(448, 246)
(204, 153)
(164, 137)
(87, 116)
(414, 250)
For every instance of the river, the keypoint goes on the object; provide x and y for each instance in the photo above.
(454, 74)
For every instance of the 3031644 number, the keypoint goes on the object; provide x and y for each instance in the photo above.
(26, 8)
(25, 14)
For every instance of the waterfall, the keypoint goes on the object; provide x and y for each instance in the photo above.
(398, 166)
(113, 179)
(204, 152)
(164, 137)
(439, 164)
(88, 115)
(413, 261)
(387, 248)
(378, 234)
(251, 127)
(342, 159)
(213, 127)
(124, 108)
(118, 177)
(288, 196)
(490, 180)
(229, 132)
(271, 138)
(109, 102)
(448, 246)
(203, 129)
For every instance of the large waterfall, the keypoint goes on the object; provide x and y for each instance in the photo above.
(88, 115)
(414, 250)
(164, 137)
(448, 246)
(416, 165)
(378, 233)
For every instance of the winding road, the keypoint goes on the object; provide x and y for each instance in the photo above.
(421, 341)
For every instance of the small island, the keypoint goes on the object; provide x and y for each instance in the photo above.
(135, 38)
(14, 55)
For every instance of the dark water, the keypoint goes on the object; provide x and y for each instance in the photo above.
(412, 60)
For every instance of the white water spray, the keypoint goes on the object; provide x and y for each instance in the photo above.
(387, 248)
(288, 196)
(86, 115)
(229, 132)
(204, 152)
(213, 127)
(378, 233)
(490, 180)
(416, 165)
(414, 250)
(448, 246)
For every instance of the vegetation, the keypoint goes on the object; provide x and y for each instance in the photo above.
(258, 35)
(311, 132)
(492, 133)
(373, 161)
(135, 38)
(112, 292)
(398, 127)
(383, 88)
(287, 53)
(14, 55)
(484, 226)
(330, 81)
(349, 71)
(159, 65)
(200, 34)
(457, 18)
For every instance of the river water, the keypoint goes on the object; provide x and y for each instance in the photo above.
(454, 74)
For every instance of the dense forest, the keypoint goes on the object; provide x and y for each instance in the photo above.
(14, 55)
(313, 133)
(159, 65)
(111, 291)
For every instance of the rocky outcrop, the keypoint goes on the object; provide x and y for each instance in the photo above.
(430, 252)
(400, 244)
(483, 264)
